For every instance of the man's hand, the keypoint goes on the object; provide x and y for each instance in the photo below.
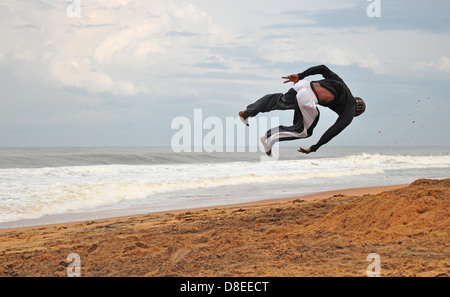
(305, 151)
(291, 78)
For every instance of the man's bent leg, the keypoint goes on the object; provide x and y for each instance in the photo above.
(282, 133)
(268, 103)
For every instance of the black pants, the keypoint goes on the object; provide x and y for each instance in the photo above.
(281, 101)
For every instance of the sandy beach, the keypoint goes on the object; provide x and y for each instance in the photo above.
(327, 234)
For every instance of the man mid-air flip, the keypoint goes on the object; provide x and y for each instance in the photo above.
(303, 98)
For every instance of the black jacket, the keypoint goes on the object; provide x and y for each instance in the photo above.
(344, 103)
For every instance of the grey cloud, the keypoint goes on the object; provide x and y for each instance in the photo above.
(395, 15)
(212, 65)
(181, 34)
(27, 26)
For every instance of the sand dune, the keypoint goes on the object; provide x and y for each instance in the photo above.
(409, 228)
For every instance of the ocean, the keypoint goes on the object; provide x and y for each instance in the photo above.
(57, 185)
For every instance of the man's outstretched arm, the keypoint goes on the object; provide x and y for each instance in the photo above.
(341, 123)
(321, 69)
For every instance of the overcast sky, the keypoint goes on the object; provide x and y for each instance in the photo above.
(118, 74)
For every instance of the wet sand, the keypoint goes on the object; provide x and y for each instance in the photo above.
(328, 234)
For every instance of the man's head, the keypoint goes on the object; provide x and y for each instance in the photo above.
(360, 106)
